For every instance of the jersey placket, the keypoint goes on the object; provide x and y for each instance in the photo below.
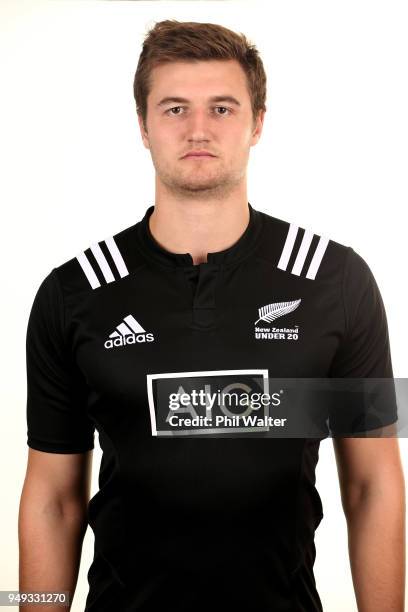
(202, 283)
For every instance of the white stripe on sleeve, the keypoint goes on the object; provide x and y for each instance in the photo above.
(102, 262)
(287, 249)
(89, 271)
(317, 257)
(301, 256)
(116, 256)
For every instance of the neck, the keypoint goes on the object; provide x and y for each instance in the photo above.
(199, 228)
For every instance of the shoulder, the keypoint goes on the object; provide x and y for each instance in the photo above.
(302, 252)
(103, 262)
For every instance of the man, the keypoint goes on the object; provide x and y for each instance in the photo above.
(189, 517)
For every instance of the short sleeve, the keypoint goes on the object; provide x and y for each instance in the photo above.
(364, 352)
(57, 420)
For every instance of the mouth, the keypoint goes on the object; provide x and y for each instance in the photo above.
(198, 153)
(198, 156)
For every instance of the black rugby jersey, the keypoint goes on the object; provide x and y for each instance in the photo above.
(186, 522)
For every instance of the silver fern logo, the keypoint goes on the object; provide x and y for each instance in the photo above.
(272, 311)
(268, 314)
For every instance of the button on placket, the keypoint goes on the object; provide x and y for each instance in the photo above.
(204, 296)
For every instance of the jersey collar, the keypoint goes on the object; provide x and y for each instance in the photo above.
(238, 251)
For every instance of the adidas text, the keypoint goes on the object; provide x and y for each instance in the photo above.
(128, 339)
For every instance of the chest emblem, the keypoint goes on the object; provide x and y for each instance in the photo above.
(268, 314)
(129, 331)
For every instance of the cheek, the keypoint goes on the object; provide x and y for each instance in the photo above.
(239, 140)
(162, 135)
(239, 149)
(164, 148)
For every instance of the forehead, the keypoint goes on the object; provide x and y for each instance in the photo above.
(198, 78)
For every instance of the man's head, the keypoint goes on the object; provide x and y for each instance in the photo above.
(194, 63)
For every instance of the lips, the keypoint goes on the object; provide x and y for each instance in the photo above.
(201, 154)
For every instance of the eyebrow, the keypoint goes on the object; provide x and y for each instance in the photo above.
(229, 99)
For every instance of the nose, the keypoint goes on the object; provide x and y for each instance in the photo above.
(198, 126)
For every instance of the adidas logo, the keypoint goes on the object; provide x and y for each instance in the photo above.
(128, 332)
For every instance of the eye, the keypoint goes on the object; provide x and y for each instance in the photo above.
(168, 112)
(224, 107)
(175, 107)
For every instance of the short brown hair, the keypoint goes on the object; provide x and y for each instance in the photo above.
(172, 40)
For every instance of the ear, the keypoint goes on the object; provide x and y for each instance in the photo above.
(143, 131)
(257, 131)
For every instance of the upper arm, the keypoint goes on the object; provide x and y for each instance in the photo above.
(59, 430)
(364, 350)
(56, 488)
(57, 392)
(368, 465)
(64, 478)
(370, 462)
(367, 400)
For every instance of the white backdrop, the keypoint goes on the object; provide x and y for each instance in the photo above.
(332, 158)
